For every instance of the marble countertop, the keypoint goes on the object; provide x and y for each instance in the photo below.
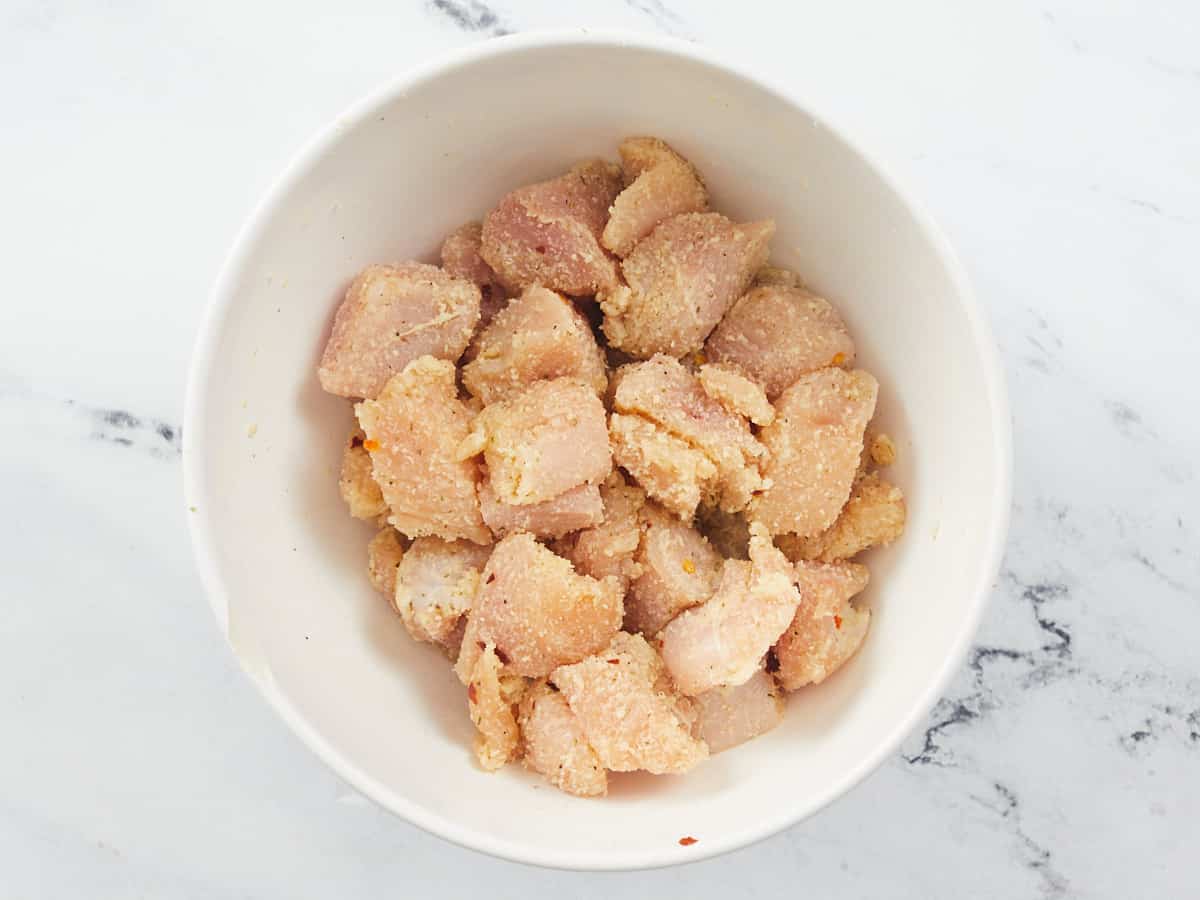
(1057, 142)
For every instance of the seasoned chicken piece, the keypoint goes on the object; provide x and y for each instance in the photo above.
(737, 393)
(413, 432)
(729, 716)
(436, 583)
(777, 276)
(723, 641)
(668, 468)
(384, 553)
(391, 316)
(580, 507)
(873, 516)
(492, 713)
(729, 533)
(629, 712)
(814, 445)
(680, 280)
(679, 570)
(661, 183)
(356, 483)
(555, 745)
(542, 441)
(826, 630)
(609, 547)
(549, 233)
(538, 335)
(776, 334)
(664, 392)
(460, 258)
(538, 612)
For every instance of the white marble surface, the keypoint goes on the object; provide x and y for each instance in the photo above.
(1057, 142)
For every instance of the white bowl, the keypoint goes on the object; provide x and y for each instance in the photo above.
(283, 563)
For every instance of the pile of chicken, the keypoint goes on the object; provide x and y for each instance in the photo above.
(620, 465)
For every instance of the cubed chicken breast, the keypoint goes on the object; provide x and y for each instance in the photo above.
(542, 441)
(539, 335)
(873, 516)
(491, 711)
(413, 433)
(384, 553)
(460, 258)
(666, 467)
(827, 629)
(680, 280)
(549, 233)
(391, 316)
(356, 481)
(538, 612)
(729, 716)
(629, 713)
(661, 184)
(776, 334)
(814, 446)
(555, 745)
(436, 584)
(737, 393)
(662, 391)
(724, 640)
(580, 507)
(679, 570)
(609, 548)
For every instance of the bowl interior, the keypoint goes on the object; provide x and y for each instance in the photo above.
(285, 563)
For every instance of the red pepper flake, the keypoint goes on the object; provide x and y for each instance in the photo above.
(472, 695)
(371, 445)
(686, 841)
(356, 441)
(837, 621)
(502, 656)
(614, 662)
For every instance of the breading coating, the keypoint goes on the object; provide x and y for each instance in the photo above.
(436, 584)
(661, 184)
(827, 629)
(679, 570)
(555, 745)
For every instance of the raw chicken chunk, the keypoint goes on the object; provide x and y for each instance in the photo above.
(580, 507)
(555, 745)
(391, 316)
(680, 280)
(661, 183)
(384, 553)
(549, 233)
(729, 716)
(609, 547)
(723, 641)
(814, 445)
(664, 392)
(629, 713)
(542, 441)
(460, 258)
(492, 713)
(413, 432)
(775, 334)
(873, 516)
(737, 393)
(679, 570)
(827, 630)
(538, 335)
(436, 584)
(538, 612)
(668, 468)
(356, 483)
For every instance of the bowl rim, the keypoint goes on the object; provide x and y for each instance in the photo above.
(222, 298)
